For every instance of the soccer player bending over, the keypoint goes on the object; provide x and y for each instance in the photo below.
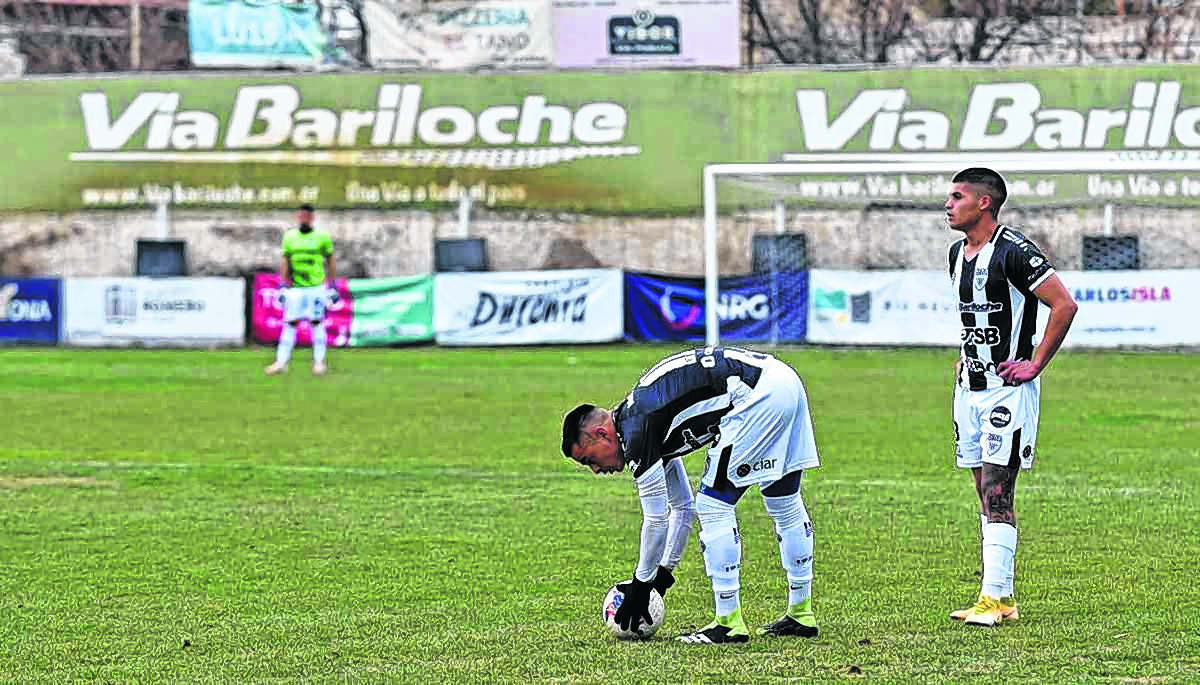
(307, 263)
(751, 410)
(999, 276)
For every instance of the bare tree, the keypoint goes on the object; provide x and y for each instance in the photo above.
(57, 38)
(826, 31)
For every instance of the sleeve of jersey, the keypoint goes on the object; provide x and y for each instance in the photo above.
(1027, 268)
(327, 246)
(652, 490)
(953, 258)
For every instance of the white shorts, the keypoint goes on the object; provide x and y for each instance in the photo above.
(306, 304)
(769, 432)
(997, 426)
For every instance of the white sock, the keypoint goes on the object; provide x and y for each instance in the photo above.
(1009, 590)
(287, 341)
(999, 551)
(794, 531)
(320, 340)
(722, 548)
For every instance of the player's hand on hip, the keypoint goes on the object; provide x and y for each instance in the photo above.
(1017, 373)
(635, 608)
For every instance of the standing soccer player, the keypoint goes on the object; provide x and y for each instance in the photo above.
(307, 273)
(999, 276)
(751, 409)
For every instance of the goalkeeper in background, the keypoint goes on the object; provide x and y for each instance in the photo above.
(307, 274)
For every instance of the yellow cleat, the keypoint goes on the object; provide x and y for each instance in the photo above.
(1008, 607)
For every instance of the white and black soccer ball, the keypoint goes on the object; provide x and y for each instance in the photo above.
(658, 612)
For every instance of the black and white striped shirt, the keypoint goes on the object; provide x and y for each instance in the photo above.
(676, 406)
(996, 304)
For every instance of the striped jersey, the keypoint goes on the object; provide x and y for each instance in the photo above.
(996, 304)
(676, 406)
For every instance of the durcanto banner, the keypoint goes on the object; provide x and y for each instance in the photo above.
(604, 143)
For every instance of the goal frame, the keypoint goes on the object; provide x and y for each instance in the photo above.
(1057, 162)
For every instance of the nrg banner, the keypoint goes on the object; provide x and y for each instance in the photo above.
(30, 310)
(753, 308)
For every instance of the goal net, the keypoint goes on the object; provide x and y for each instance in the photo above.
(865, 212)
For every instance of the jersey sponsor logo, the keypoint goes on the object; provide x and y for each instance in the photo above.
(1036, 261)
(1000, 417)
(980, 307)
(979, 366)
(15, 309)
(980, 335)
(760, 465)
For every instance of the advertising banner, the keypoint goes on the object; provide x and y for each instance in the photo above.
(390, 311)
(647, 33)
(255, 33)
(266, 314)
(627, 142)
(1131, 308)
(883, 308)
(165, 312)
(528, 307)
(30, 310)
(460, 35)
(755, 308)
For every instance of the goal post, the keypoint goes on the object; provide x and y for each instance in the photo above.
(1161, 182)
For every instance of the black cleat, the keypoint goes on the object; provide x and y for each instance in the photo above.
(788, 627)
(716, 634)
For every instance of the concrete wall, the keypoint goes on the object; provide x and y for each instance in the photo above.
(372, 243)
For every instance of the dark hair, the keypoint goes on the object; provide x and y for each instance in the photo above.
(572, 425)
(306, 207)
(990, 180)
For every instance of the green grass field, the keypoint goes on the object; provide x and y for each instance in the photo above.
(176, 517)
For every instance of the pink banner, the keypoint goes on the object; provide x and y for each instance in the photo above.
(267, 314)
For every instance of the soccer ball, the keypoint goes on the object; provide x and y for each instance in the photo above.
(658, 611)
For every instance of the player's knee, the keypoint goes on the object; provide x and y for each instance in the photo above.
(714, 514)
(788, 512)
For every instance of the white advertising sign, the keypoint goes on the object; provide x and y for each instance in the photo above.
(882, 308)
(461, 34)
(166, 312)
(1131, 308)
(529, 307)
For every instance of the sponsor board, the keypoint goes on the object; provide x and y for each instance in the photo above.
(647, 33)
(755, 308)
(883, 308)
(528, 307)
(30, 310)
(627, 142)
(493, 34)
(1152, 308)
(167, 312)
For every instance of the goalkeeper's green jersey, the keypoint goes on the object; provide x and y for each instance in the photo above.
(306, 253)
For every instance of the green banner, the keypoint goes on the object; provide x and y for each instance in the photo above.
(619, 143)
(388, 311)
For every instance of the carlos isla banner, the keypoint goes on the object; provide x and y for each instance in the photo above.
(255, 33)
(883, 308)
(1131, 308)
(528, 307)
(460, 34)
(647, 33)
(266, 314)
(756, 308)
(390, 311)
(167, 312)
(29, 310)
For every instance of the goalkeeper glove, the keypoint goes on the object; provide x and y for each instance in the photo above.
(635, 608)
(332, 295)
(663, 581)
